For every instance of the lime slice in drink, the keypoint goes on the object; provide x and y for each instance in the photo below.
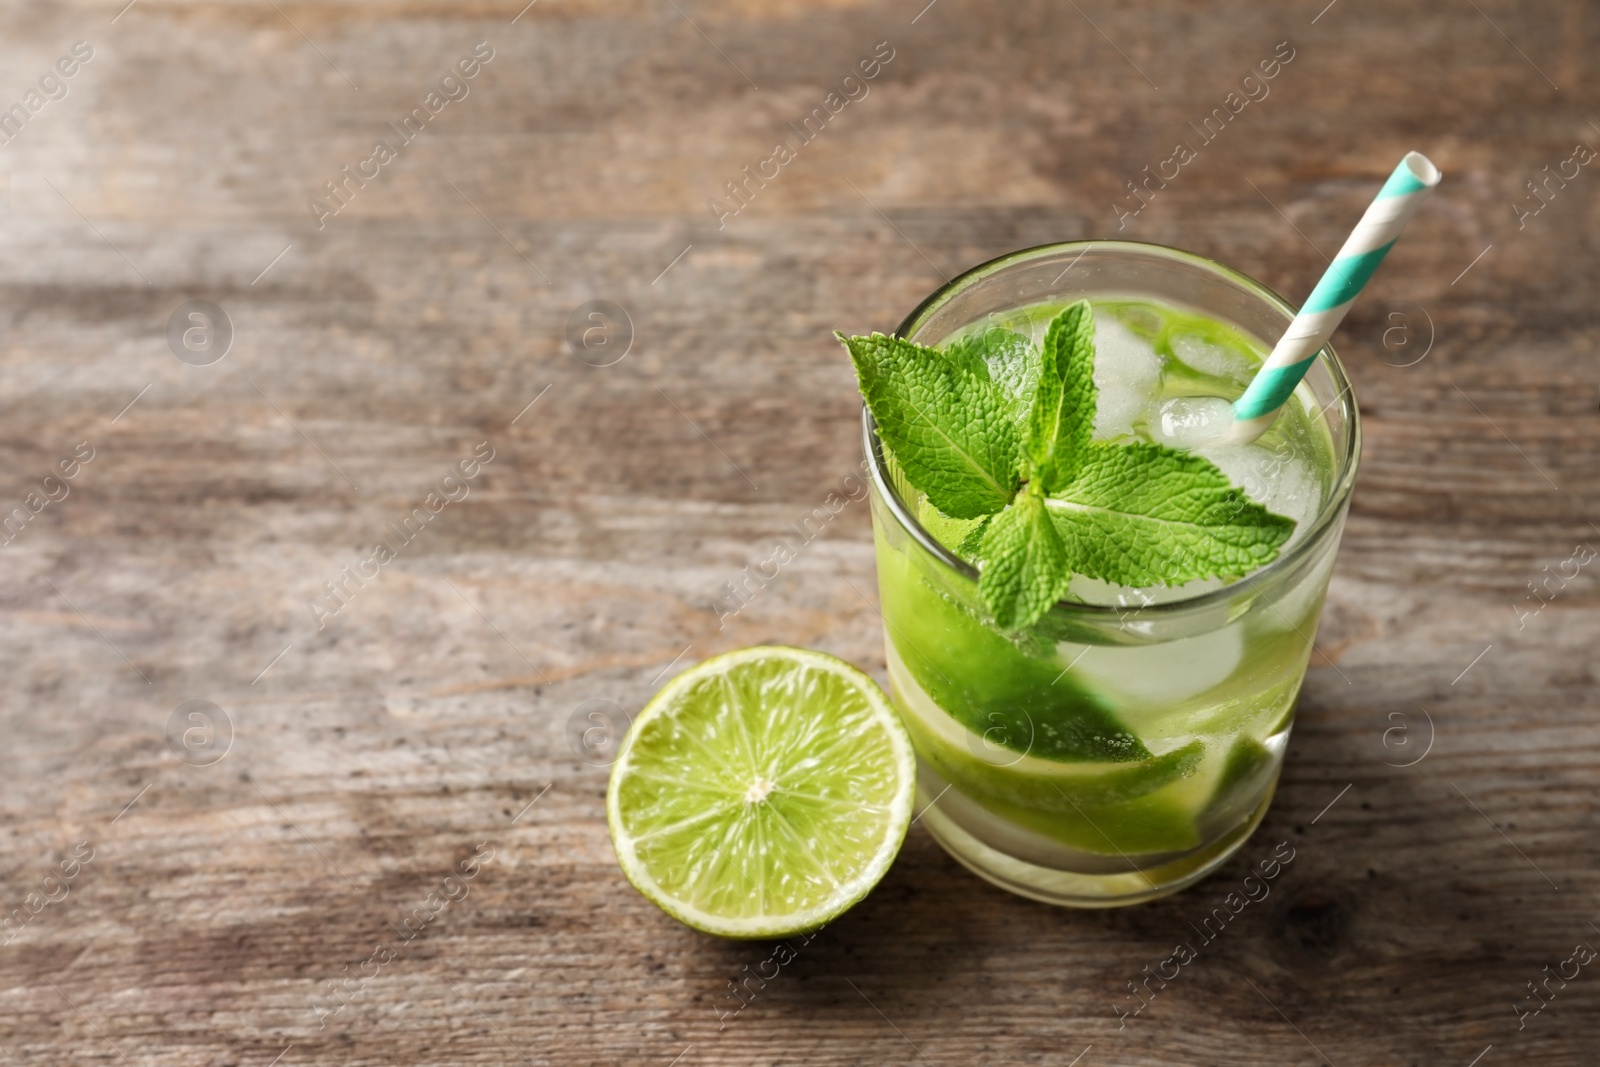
(762, 793)
(1243, 774)
(1153, 823)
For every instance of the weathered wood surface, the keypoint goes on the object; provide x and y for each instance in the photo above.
(371, 758)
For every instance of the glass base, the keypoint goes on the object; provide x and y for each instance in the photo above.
(1077, 889)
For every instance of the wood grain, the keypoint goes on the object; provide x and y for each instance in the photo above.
(371, 756)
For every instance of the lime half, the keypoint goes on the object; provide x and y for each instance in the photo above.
(762, 792)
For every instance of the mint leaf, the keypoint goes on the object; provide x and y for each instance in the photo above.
(1061, 421)
(951, 431)
(967, 354)
(1143, 514)
(1025, 567)
(1004, 356)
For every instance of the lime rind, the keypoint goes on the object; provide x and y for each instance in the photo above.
(1147, 824)
(1247, 762)
(762, 793)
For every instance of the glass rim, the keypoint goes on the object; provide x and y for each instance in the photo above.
(1324, 522)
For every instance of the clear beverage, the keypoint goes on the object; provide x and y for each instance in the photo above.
(1126, 743)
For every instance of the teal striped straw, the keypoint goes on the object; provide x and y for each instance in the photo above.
(1365, 248)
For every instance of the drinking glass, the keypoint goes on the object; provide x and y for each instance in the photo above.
(1207, 681)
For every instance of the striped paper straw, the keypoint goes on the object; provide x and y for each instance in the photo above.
(1365, 248)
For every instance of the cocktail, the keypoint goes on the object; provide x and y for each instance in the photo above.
(1121, 740)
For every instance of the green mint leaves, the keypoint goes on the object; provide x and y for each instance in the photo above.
(953, 430)
(1005, 358)
(1062, 416)
(993, 428)
(1026, 566)
(1142, 514)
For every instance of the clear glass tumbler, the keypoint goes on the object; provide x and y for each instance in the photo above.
(1207, 681)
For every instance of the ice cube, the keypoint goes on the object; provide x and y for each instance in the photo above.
(1159, 675)
(1191, 421)
(1212, 360)
(1127, 371)
(1278, 480)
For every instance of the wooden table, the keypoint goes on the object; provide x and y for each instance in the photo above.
(228, 869)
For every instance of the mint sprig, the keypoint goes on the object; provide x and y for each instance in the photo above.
(993, 428)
